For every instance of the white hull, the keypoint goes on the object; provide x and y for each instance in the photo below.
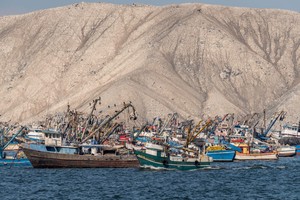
(256, 156)
(286, 151)
(291, 135)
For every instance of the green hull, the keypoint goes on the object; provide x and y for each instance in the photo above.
(147, 160)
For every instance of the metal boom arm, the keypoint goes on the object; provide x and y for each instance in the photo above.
(107, 120)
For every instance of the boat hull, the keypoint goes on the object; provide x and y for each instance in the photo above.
(222, 155)
(286, 151)
(15, 162)
(151, 161)
(298, 150)
(286, 154)
(256, 156)
(44, 159)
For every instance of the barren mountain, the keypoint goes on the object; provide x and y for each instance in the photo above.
(193, 59)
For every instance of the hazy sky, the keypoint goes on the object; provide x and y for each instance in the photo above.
(9, 7)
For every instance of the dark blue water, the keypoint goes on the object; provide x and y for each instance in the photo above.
(238, 180)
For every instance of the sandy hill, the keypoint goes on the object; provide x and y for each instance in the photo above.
(193, 59)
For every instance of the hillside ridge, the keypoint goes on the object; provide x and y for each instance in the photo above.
(193, 59)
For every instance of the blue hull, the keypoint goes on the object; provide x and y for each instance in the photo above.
(298, 150)
(15, 162)
(222, 155)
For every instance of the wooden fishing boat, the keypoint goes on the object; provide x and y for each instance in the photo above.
(256, 156)
(246, 154)
(155, 156)
(41, 156)
(54, 154)
(86, 153)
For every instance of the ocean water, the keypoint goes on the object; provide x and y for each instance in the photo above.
(237, 180)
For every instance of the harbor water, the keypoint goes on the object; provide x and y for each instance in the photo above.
(236, 180)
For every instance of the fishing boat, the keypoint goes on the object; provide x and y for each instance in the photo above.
(54, 154)
(11, 155)
(59, 151)
(246, 154)
(286, 151)
(290, 130)
(226, 155)
(220, 153)
(256, 156)
(157, 156)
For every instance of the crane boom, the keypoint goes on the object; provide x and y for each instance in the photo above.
(140, 131)
(109, 119)
(281, 115)
(193, 136)
(201, 129)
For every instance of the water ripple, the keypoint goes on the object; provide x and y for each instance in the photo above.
(236, 180)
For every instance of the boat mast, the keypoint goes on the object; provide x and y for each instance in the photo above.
(298, 129)
(95, 101)
(109, 119)
(264, 126)
(191, 137)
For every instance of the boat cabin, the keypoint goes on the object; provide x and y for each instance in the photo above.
(241, 130)
(289, 130)
(53, 138)
(36, 135)
(245, 148)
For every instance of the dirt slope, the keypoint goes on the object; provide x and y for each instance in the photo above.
(193, 59)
